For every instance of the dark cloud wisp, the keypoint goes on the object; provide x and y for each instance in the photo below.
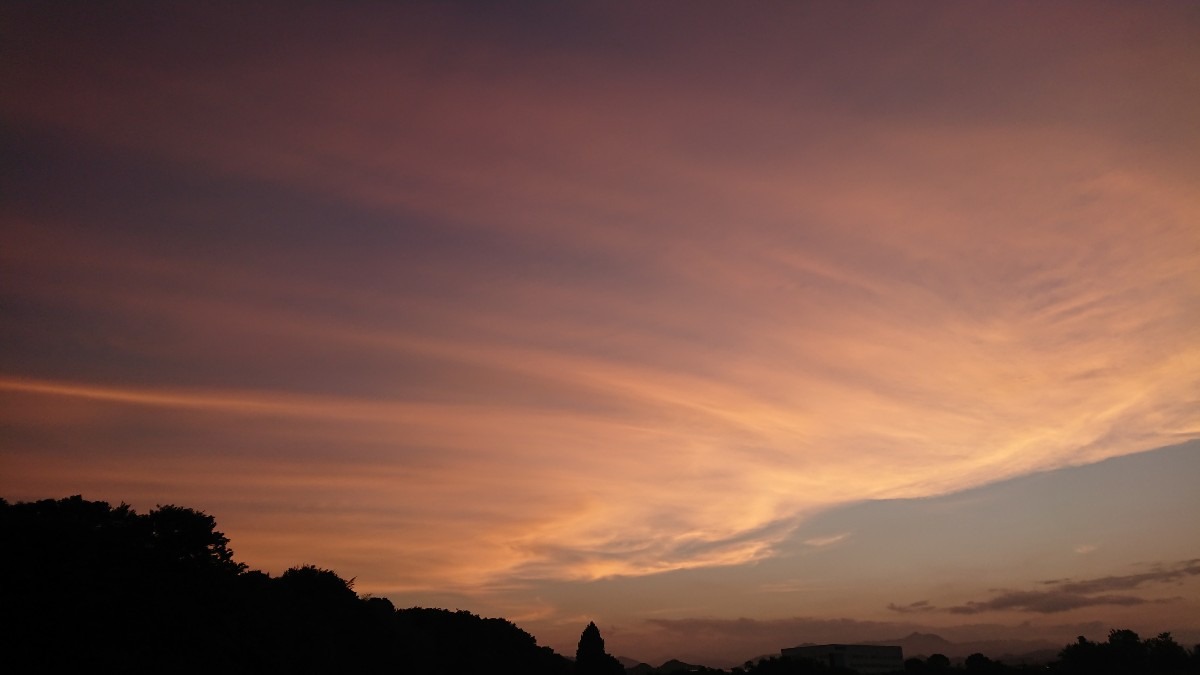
(1065, 594)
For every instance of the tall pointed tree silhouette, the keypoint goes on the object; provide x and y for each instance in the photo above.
(590, 657)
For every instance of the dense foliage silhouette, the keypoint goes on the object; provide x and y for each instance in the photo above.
(88, 587)
(590, 657)
(1125, 652)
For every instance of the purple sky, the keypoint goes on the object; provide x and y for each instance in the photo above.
(841, 319)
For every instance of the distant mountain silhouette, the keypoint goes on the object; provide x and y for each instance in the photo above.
(1010, 651)
(920, 644)
(635, 667)
(675, 666)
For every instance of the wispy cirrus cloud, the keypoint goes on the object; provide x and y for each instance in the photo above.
(1045, 602)
(827, 540)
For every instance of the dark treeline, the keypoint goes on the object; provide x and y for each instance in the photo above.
(88, 587)
(91, 588)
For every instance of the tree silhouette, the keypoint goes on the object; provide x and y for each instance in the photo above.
(1163, 654)
(937, 663)
(93, 585)
(1126, 653)
(189, 538)
(978, 663)
(590, 657)
(591, 645)
(88, 587)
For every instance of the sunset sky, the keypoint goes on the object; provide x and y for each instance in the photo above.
(729, 326)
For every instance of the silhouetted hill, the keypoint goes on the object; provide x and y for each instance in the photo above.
(920, 644)
(635, 667)
(1011, 651)
(676, 666)
(764, 657)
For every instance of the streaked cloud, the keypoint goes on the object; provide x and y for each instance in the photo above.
(1044, 602)
(1062, 595)
(918, 607)
(827, 540)
(1160, 574)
